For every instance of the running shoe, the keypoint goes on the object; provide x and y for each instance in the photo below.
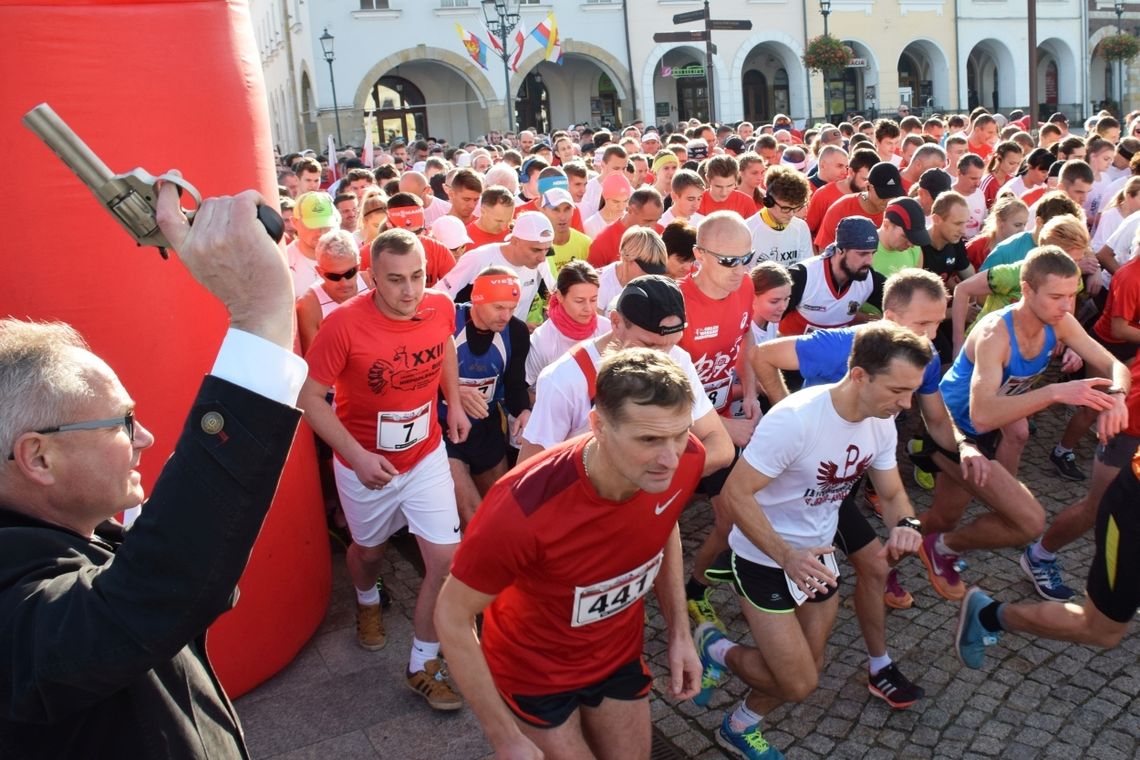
(924, 479)
(701, 611)
(942, 569)
(749, 744)
(1066, 466)
(972, 638)
(1046, 577)
(434, 685)
(894, 688)
(712, 673)
(873, 499)
(894, 595)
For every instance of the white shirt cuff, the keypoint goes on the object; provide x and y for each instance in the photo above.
(260, 366)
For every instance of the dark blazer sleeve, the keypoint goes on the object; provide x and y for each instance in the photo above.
(74, 629)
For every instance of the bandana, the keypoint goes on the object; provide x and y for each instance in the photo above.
(492, 288)
(406, 218)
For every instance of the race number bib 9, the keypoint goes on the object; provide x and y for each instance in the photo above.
(798, 595)
(396, 431)
(719, 392)
(606, 599)
(485, 386)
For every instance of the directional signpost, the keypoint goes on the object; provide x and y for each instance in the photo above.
(705, 37)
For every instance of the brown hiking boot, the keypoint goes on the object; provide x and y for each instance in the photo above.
(370, 627)
(434, 685)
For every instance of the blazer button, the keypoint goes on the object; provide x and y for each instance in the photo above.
(212, 423)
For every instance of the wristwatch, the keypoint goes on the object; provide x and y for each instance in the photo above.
(910, 522)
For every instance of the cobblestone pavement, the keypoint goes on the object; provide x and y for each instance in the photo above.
(1033, 699)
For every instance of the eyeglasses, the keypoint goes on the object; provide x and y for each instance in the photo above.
(347, 274)
(729, 261)
(127, 422)
(788, 209)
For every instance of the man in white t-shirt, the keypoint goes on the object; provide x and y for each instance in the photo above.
(777, 233)
(524, 251)
(313, 216)
(650, 313)
(971, 167)
(784, 494)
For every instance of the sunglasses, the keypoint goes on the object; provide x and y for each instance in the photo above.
(729, 261)
(347, 274)
(127, 422)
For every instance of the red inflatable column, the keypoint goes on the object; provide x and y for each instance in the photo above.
(159, 85)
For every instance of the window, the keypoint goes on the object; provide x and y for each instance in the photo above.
(453, 3)
(373, 5)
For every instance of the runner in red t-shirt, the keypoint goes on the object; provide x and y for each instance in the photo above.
(388, 353)
(723, 176)
(560, 556)
(883, 183)
(644, 209)
(405, 212)
(496, 212)
(858, 169)
(718, 334)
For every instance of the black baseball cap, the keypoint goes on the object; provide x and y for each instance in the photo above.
(886, 180)
(735, 144)
(648, 299)
(935, 181)
(907, 213)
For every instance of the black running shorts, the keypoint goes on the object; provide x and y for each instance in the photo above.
(629, 682)
(1114, 578)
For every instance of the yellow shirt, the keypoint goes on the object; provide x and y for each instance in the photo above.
(577, 247)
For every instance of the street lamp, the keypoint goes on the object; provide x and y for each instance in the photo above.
(327, 49)
(1118, 7)
(501, 21)
(825, 11)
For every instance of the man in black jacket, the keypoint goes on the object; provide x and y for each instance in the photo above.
(103, 632)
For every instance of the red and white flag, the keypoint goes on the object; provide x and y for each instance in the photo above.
(519, 36)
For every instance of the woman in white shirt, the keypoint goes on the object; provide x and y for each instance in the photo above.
(572, 316)
(1123, 204)
(642, 251)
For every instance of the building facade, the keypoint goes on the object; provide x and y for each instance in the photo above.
(402, 63)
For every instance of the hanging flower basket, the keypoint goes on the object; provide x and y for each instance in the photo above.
(826, 54)
(1120, 47)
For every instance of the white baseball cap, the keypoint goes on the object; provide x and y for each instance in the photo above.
(534, 227)
(450, 231)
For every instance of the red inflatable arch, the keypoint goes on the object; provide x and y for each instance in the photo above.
(161, 85)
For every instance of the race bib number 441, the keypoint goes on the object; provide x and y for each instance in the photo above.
(603, 600)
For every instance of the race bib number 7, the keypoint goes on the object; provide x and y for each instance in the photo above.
(606, 599)
(798, 595)
(396, 431)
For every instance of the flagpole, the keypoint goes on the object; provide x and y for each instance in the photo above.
(501, 24)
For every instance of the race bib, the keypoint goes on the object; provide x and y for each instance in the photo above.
(606, 599)
(798, 595)
(396, 431)
(485, 386)
(719, 392)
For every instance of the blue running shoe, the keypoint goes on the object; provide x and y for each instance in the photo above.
(749, 744)
(1046, 577)
(712, 674)
(972, 638)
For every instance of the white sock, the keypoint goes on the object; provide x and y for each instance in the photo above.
(878, 663)
(742, 718)
(422, 652)
(1060, 451)
(941, 547)
(369, 598)
(719, 651)
(1039, 553)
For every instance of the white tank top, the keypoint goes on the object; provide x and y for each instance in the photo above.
(821, 305)
(328, 305)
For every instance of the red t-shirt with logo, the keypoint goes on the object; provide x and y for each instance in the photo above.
(714, 332)
(386, 374)
(736, 201)
(846, 206)
(569, 570)
(480, 238)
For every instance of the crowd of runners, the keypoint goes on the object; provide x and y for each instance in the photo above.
(534, 351)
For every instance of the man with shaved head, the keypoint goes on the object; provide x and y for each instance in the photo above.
(718, 306)
(417, 184)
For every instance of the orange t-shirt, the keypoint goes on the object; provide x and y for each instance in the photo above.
(386, 373)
